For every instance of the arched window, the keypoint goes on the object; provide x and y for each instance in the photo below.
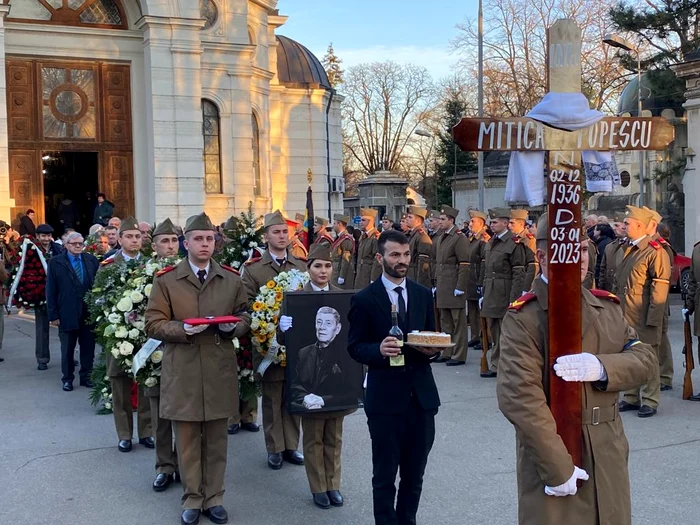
(212, 147)
(257, 180)
(87, 13)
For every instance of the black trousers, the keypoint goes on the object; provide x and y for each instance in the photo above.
(400, 442)
(68, 339)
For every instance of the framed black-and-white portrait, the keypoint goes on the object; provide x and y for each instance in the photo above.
(321, 376)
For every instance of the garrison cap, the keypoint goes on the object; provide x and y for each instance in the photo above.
(619, 216)
(230, 223)
(434, 214)
(319, 251)
(476, 214)
(655, 215)
(385, 218)
(640, 214)
(128, 224)
(499, 213)
(275, 219)
(300, 218)
(320, 221)
(165, 228)
(417, 210)
(44, 228)
(518, 214)
(341, 218)
(198, 222)
(449, 211)
(368, 212)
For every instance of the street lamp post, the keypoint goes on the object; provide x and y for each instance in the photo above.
(423, 133)
(620, 43)
(480, 154)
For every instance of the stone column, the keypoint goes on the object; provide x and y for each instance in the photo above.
(5, 203)
(690, 72)
(172, 62)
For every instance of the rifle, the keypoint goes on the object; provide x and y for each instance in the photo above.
(484, 344)
(689, 359)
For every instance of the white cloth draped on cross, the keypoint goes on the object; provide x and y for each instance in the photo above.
(571, 112)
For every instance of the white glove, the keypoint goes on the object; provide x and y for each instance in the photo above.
(458, 293)
(684, 312)
(341, 281)
(227, 327)
(524, 292)
(481, 302)
(579, 367)
(434, 290)
(193, 330)
(313, 402)
(569, 488)
(285, 322)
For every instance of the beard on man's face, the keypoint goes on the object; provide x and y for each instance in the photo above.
(399, 270)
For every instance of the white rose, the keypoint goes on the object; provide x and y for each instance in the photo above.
(136, 297)
(133, 333)
(236, 264)
(147, 289)
(125, 304)
(108, 406)
(236, 344)
(271, 300)
(255, 324)
(121, 332)
(151, 381)
(114, 318)
(140, 325)
(115, 352)
(253, 244)
(126, 348)
(105, 391)
(157, 356)
(109, 330)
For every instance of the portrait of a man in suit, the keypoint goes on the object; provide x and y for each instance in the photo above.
(320, 380)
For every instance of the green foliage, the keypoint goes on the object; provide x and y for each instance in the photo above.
(453, 107)
(101, 393)
(331, 64)
(242, 234)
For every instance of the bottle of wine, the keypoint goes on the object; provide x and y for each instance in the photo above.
(398, 334)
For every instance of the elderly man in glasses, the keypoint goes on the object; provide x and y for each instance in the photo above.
(69, 277)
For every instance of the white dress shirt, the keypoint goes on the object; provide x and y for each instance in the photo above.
(315, 288)
(393, 296)
(635, 243)
(196, 269)
(503, 234)
(127, 258)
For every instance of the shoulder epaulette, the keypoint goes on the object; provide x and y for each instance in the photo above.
(529, 235)
(251, 261)
(232, 270)
(516, 239)
(663, 241)
(655, 245)
(521, 301)
(602, 294)
(164, 270)
(106, 262)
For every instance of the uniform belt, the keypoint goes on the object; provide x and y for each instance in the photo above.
(502, 275)
(596, 415)
(205, 339)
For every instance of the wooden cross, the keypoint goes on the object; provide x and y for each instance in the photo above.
(564, 172)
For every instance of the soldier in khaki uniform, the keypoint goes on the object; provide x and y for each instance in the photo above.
(589, 281)
(199, 365)
(613, 360)
(452, 256)
(403, 224)
(296, 246)
(280, 427)
(387, 223)
(165, 244)
(692, 299)
(502, 278)
(476, 249)
(321, 235)
(131, 243)
(421, 247)
(518, 227)
(368, 268)
(342, 251)
(642, 277)
(665, 356)
(606, 278)
(323, 431)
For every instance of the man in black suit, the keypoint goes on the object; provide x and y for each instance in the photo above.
(400, 401)
(69, 277)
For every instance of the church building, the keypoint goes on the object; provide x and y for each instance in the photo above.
(169, 107)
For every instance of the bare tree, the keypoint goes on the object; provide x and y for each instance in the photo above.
(515, 43)
(384, 104)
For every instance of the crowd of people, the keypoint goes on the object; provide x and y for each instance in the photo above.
(484, 283)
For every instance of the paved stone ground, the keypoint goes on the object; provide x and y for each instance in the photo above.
(59, 462)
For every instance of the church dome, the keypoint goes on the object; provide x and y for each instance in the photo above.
(297, 67)
(652, 100)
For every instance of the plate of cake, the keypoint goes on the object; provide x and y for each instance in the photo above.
(429, 339)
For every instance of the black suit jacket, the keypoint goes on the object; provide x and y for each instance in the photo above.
(65, 292)
(389, 389)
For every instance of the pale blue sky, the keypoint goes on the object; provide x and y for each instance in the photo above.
(415, 31)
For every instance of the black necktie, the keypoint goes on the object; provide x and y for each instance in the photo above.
(202, 274)
(402, 304)
(280, 261)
